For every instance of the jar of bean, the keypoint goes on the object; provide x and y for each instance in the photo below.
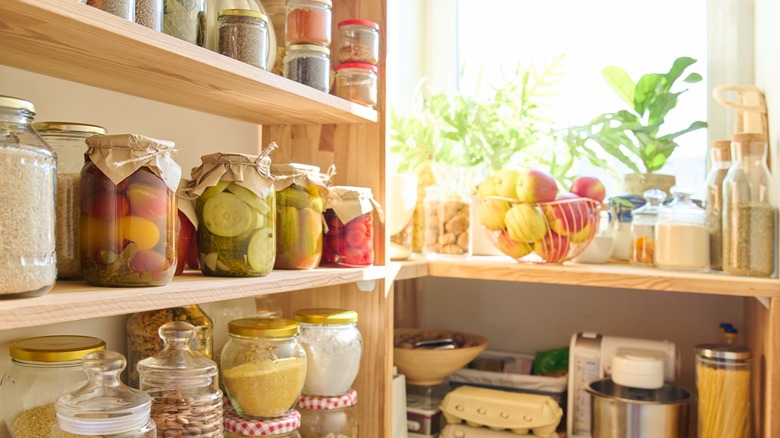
(357, 82)
(308, 64)
(349, 235)
(243, 35)
(309, 22)
(359, 41)
(325, 417)
(237, 426)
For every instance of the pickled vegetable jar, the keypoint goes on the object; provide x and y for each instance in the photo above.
(186, 244)
(349, 236)
(128, 211)
(329, 416)
(237, 426)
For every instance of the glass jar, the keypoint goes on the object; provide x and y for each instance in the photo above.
(333, 348)
(186, 245)
(349, 224)
(42, 370)
(149, 13)
(720, 161)
(748, 210)
(243, 35)
(724, 395)
(643, 221)
(620, 208)
(238, 427)
(277, 14)
(184, 19)
(143, 338)
(682, 235)
(263, 367)
(309, 22)
(359, 41)
(104, 407)
(308, 64)
(67, 141)
(329, 417)
(357, 82)
(28, 172)
(186, 400)
(211, 34)
(121, 8)
(447, 223)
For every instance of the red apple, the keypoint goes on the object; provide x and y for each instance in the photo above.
(567, 217)
(553, 248)
(588, 187)
(536, 186)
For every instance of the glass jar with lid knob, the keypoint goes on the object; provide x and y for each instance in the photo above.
(643, 221)
(682, 234)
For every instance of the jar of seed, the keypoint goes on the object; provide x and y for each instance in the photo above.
(308, 64)
(720, 161)
(243, 35)
(149, 13)
(359, 41)
(121, 8)
(357, 82)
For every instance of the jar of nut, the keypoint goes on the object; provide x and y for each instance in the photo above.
(447, 224)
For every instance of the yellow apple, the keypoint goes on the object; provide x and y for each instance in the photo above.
(492, 212)
(487, 188)
(512, 248)
(525, 223)
(580, 236)
(505, 182)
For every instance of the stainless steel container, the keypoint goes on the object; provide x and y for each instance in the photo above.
(623, 412)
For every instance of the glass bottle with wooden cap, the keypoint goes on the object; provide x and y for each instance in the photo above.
(720, 161)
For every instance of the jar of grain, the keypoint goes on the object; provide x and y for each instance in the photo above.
(237, 426)
(720, 161)
(357, 82)
(333, 348)
(349, 225)
(186, 400)
(749, 213)
(149, 13)
(28, 173)
(42, 370)
(243, 35)
(121, 8)
(643, 221)
(323, 417)
(263, 367)
(308, 64)
(447, 223)
(682, 235)
(309, 22)
(723, 385)
(211, 24)
(184, 20)
(68, 141)
(359, 41)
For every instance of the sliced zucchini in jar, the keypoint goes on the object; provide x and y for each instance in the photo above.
(226, 215)
(249, 197)
(214, 190)
(261, 252)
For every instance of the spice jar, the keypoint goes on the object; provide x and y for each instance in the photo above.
(68, 142)
(211, 25)
(121, 8)
(42, 370)
(359, 41)
(143, 338)
(186, 400)
(447, 223)
(748, 211)
(184, 19)
(357, 82)
(238, 427)
(308, 64)
(333, 348)
(243, 35)
(682, 235)
(28, 170)
(235, 207)
(349, 236)
(263, 367)
(720, 161)
(299, 190)
(104, 407)
(309, 22)
(128, 211)
(149, 13)
(723, 384)
(329, 417)
(643, 221)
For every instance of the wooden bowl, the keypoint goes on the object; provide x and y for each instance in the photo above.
(424, 367)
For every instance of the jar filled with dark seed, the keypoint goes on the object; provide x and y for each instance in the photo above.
(149, 13)
(121, 8)
(243, 35)
(308, 64)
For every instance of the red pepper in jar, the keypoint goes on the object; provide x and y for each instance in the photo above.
(309, 21)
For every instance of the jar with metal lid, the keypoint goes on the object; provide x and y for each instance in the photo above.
(186, 400)
(149, 13)
(349, 225)
(211, 24)
(308, 64)
(329, 417)
(643, 221)
(67, 139)
(184, 19)
(263, 367)
(237, 426)
(121, 8)
(243, 35)
(724, 394)
(309, 22)
(42, 370)
(682, 235)
(359, 41)
(447, 223)
(720, 161)
(104, 407)
(28, 173)
(333, 349)
(357, 82)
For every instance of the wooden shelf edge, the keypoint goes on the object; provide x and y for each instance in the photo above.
(415, 267)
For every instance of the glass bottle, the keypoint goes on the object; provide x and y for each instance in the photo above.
(329, 416)
(724, 395)
(185, 20)
(28, 172)
(309, 22)
(186, 400)
(67, 139)
(749, 215)
(308, 64)
(643, 221)
(211, 26)
(237, 426)
(359, 41)
(104, 407)
(447, 223)
(357, 82)
(682, 235)
(243, 35)
(349, 236)
(720, 161)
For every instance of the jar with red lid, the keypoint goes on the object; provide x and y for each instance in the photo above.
(309, 22)
(349, 236)
(357, 82)
(359, 41)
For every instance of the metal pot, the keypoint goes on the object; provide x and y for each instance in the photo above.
(623, 412)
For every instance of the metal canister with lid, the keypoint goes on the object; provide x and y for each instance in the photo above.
(723, 384)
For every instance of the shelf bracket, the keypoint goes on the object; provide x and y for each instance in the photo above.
(764, 301)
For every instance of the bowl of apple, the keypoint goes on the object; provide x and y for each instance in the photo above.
(531, 220)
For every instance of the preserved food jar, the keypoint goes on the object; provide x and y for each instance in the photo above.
(329, 417)
(121, 8)
(359, 41)
(299, 202)
(42, 370)
(447, 223)
(236, 215)
(243, 35)
(308, 64)
(682, 235)
(67, 139)
(643, 221)
(349, 225)
(143, 338)
(186, 400)
(128, 211)
(357, 82)
(263, 367)
(309, 22)
(748, 210)
(104, 407)
(723, 384)
(186, 245)
(333, 348)
(277, 14)
(184, 19)
(28, 173)
(237, 426)
(149, 13)
(720, 161)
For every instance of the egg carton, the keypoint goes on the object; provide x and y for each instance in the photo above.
(464, 431)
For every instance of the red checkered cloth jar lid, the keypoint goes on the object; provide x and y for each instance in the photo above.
(318, 403)
(244, 426)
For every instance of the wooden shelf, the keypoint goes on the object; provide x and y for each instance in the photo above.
(76, 42)
(73, 300)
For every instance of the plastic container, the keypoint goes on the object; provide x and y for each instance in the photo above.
(720, 161)
(323, 417)
(42, 370)
(349, 236)
(357, 82)
(184, 20)
(243, 35)
(447, 223)
(263, 367)
(643, 221)
(149, 13)
(333, 349)
(309, 22)
(359, 41)
(308, 64)
(186, 400)
(749, 215)
(724, 394)
(121, 8)
(238, 427)
(67, 139)
(682, 235)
